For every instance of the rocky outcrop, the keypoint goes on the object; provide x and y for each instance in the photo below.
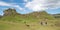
(9, 11)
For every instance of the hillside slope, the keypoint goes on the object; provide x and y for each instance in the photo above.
(12, 15)
(32, 21)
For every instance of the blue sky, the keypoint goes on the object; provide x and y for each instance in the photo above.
(27, 6)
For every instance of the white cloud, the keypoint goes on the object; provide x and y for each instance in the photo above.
(39, 5)
(10, 5)
(25, 0)
(4, 4)
(17, 6)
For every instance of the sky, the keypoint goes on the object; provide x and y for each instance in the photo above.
(27, 6)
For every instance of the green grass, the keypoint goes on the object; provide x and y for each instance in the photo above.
(17, 23)
(5, 25)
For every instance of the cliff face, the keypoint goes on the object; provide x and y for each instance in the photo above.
(9, 12)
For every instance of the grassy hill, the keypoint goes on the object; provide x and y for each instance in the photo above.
(12, 20)
(57, 16)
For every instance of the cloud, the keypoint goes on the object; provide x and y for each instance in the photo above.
(40, 5)
(17, 6)
(4, 4)
(10, 5)
(25, 0)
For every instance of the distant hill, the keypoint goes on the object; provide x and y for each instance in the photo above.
(56, 16)
(0, 16)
